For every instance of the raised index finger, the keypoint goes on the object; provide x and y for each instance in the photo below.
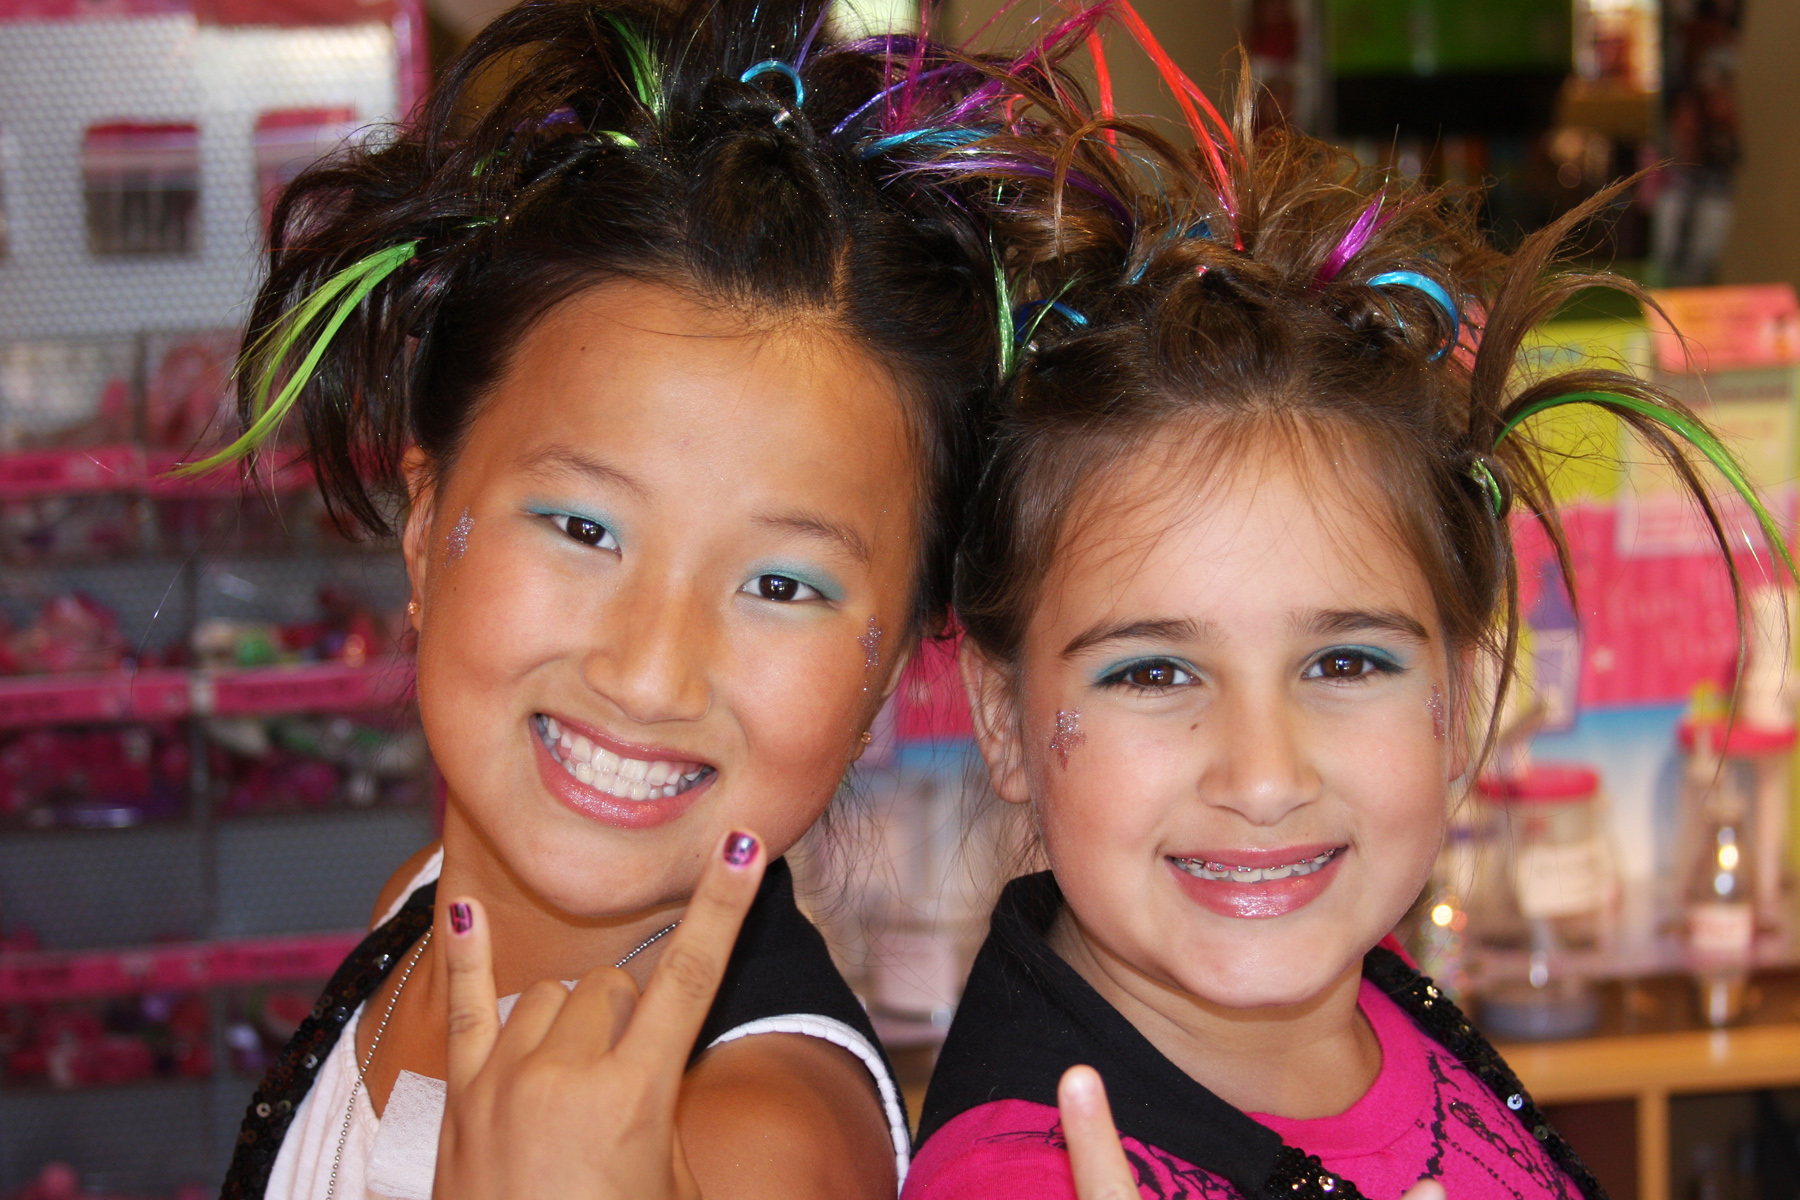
(1095, 1155)
(681, 989)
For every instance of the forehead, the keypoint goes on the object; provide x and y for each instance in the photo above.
(647, 375)
(1258, 525)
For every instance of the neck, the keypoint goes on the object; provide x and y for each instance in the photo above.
(1300, 1061)
(531, 938)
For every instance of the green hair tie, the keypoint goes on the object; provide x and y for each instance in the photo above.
(347, 289)
(1688, 430)
(1483, 475)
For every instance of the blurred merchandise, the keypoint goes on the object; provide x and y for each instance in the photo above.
(262, 1021)
(72, 632)
(95, 777)
(105, 1043)
(209, 761)
(189, 401)
(67, 393)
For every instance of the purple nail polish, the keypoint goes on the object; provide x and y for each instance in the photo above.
(461, 919)
(740, 848)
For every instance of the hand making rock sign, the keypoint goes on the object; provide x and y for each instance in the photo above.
(576, 1096)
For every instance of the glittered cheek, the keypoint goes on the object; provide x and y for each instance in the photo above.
(871, 647)
(1066, 735)
(456, 544)
(1434, 704)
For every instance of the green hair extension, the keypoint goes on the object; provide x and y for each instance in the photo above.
(1688, 430)
(1009, 348)
(646, 72)
(347, 288)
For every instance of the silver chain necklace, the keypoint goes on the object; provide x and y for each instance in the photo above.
(362, 1072)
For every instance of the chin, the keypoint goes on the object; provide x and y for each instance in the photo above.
(1265, 972)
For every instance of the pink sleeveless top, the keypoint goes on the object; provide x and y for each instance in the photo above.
(1425, 1115)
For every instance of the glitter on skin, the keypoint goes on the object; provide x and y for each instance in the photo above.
(871, 644)
(1068, 735)
(1435, 702)
(459, 536)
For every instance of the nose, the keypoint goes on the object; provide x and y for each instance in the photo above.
(1258, 766)
(651, 650)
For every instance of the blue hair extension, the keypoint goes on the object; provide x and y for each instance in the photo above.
(1433, 291)
(934, 137)
(775, 64)
(1036, 310)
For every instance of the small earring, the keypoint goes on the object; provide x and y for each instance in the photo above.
(412, 608)
(865, 737)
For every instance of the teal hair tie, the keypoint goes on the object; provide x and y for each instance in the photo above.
(1433, 291)
(775, 64)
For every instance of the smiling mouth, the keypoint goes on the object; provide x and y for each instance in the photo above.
(622, 778)
(1231, 873)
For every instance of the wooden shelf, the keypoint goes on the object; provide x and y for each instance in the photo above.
(1649, 1068)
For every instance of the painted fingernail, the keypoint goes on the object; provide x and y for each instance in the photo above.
(740, 848)
(461, 919)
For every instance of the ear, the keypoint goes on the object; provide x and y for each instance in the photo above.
(415, 539)
(995, 713)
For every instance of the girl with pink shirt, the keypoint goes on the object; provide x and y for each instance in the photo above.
(1244, 537)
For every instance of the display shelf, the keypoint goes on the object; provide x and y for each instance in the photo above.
(126, 468)
(52, 976)
(166, 694)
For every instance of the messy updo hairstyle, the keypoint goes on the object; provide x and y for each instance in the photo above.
(730, 149)
(1258, 292)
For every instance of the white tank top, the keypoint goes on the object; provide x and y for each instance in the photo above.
(394, 1156)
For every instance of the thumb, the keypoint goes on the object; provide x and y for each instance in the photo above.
(1425, 1189)
(474, 1015)
(1095, 1155)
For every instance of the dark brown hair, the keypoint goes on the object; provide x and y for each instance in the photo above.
(1243, 302)
(718, 146)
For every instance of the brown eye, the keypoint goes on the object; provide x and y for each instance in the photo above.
(1152, 675)
(1342, 665)
(588, 533)
(783, 589)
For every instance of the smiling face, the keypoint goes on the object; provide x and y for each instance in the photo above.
(1223, 713)
(645, 590)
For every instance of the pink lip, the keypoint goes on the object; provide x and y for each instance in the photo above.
(1252, 901)
(602, 806)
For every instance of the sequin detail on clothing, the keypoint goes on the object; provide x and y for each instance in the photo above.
(458, 540)
(1435, 703)
(1068, 735)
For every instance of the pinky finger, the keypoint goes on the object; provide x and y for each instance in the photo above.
(1095, 1155)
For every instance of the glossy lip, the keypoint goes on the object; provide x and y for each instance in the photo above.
(1254, 901)
(601, 806)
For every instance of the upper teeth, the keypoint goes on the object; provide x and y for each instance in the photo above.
(1202, 869)
(625, 778)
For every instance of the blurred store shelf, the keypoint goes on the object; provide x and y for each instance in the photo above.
(51, 976)
(166, 694)
(125, 468)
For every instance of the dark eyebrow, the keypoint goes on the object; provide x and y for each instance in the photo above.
(824, 529)
(565, 460)
(1156, 629)
(1331, 622)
